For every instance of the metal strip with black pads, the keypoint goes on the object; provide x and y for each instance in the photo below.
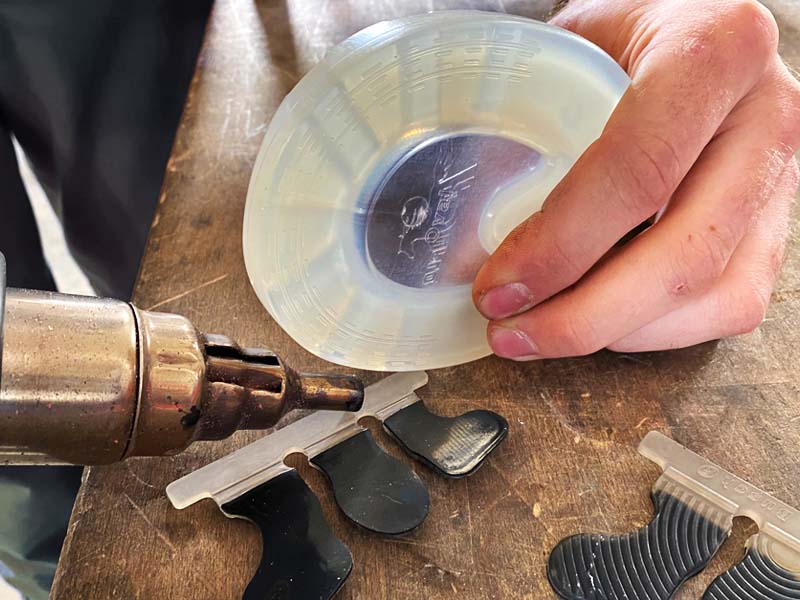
(373, 489)
(695, 503)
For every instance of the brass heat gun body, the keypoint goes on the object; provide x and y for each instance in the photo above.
(92, 381)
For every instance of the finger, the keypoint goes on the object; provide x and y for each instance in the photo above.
(670, 264)
(674, 106)
(738, 302)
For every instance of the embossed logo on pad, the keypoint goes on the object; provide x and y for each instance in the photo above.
(422, 223)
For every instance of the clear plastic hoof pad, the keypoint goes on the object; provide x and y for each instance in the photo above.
(399, 163)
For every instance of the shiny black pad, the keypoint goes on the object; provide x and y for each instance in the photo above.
(648, 564)
(453, 446)
(756, 577)
(372, 488)
(302, 559)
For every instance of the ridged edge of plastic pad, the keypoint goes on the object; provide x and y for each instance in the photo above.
(695, 502)
(374, 490)
(452, 446)
(757, 576)
(301, 558)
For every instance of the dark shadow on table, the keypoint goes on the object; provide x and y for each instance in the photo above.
(281, 43)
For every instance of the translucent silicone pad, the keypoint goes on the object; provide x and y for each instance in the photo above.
(399, 163)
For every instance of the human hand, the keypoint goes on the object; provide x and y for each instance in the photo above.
(710, 125)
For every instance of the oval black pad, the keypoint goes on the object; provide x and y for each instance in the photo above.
(372, 488)
(302, 559)
(757, 577)
(453, 446)
(649, 564)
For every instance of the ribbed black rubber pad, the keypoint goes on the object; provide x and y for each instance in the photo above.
(456, 446)
(648, 564)
(756, 577)
(302, 559)
(372, 488)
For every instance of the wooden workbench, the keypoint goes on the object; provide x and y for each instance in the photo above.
(569, 463)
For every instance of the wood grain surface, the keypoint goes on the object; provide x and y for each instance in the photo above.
(569, 463)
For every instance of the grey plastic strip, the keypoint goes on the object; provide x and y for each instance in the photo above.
(728, 492)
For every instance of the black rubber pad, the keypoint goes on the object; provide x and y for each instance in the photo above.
(756, 577)
(455, 446)
(302, 559)
(648, 564)
(372, 488)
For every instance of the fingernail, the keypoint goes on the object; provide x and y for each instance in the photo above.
(505, 300)
(511, 343)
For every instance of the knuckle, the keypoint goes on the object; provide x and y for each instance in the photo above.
(574, 335)
(558, 257)
(754, 27)
(646, 177)
(535, 247)
(699, 263)
(517, 241)
(749, 309)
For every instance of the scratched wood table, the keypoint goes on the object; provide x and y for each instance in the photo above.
(569, 463)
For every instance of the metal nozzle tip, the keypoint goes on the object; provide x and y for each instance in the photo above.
(331, 392)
